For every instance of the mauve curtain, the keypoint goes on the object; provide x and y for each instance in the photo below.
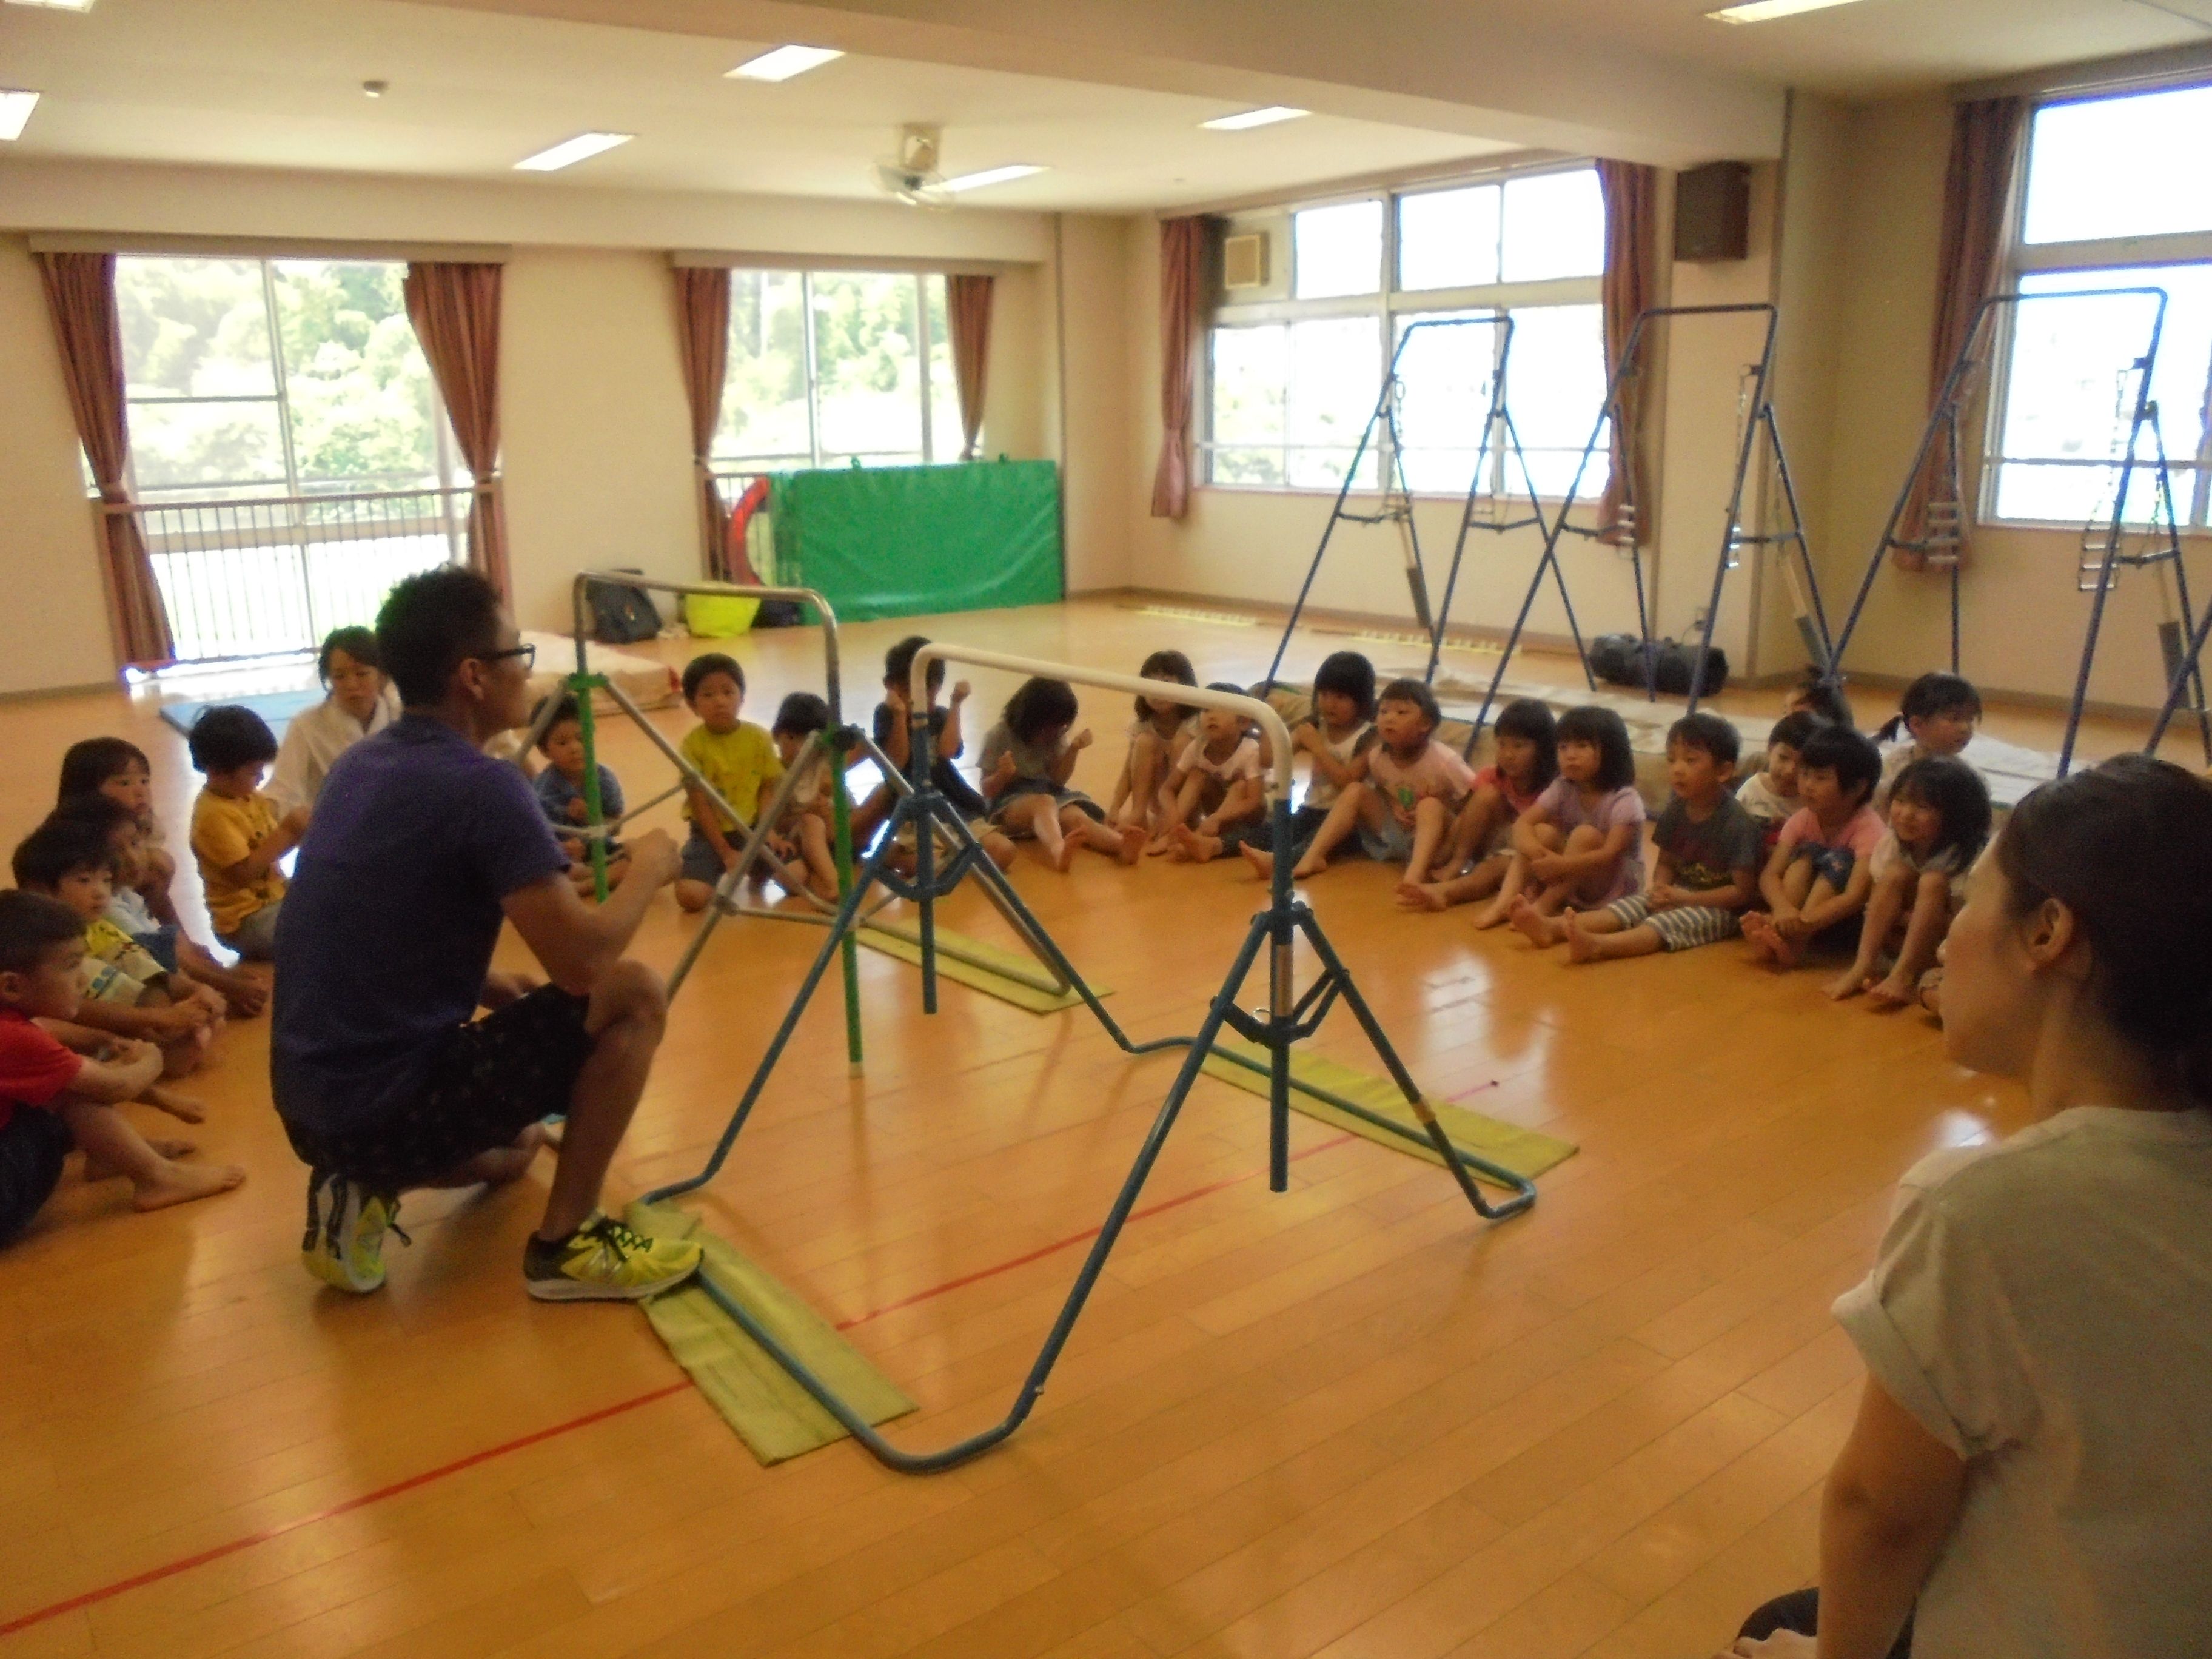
(1182, 281)
(81, 298)
(1985, 143)
(455, 311)
(1632, 274)
(967, 310)
(702, 330)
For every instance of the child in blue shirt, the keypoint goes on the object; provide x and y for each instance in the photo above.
(561, 792)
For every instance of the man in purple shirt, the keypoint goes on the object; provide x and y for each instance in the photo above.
(422, 846)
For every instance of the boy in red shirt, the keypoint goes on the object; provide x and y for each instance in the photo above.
(60, 1083)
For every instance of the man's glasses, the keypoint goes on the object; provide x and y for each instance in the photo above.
(527, 652)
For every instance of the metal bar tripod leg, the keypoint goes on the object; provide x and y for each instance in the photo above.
(1086, 1279)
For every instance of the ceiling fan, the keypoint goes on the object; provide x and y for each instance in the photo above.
(911, 175)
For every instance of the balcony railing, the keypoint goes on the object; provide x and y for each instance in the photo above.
(261, 576)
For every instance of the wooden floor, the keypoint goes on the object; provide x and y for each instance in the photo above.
(1349, 1420)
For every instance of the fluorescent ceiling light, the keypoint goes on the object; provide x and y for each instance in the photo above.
(1765, 11)
(783, 63)
(56, 5)
(570, 151)
(15, 109)
(991, 176)
(1255, 118)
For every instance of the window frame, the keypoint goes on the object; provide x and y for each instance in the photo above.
(760, 463)
(448, 475)
(2191, 474)
(1390, 306)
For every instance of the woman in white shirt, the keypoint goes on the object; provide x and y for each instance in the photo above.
(359, 700)
(2031, 1471)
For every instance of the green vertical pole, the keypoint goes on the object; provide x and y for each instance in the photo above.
(841, 807)
(583, 685)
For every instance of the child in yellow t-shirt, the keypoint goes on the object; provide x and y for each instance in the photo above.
(237, 834)
(739, 759)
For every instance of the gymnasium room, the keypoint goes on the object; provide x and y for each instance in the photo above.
(1094, 657)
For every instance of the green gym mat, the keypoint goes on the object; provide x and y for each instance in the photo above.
(772, 1414)
(993, 980)
(1523, 1150)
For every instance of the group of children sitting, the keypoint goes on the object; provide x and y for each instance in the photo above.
(104, 997)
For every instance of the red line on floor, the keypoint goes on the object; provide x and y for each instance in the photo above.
(186, 1563)
(1083, 1237)
(249, 1541)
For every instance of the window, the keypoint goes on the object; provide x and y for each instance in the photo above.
(2105, 205)
(1294, 382)
(828, 369)
(290, 457)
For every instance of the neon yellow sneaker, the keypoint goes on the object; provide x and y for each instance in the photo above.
(603, 1261)
(346, 1224)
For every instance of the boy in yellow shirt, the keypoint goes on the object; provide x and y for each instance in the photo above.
(739, 758)
(238, 835)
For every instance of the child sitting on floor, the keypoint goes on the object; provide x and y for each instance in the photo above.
(1581, 841)
(1164, 728)
(1028, 758)
(1939, 816)
(1822, 869)
(126, 992)
(141, 906)
(893, 718)
(560, 789)
(1708, 861)
(1414, 786)
(60, 1083)
(1939, 712)
(1339, 735)
(1815, 694)
(238, 835)
(1527, 741)
(1770, 795)
(802, 830)
(737, 758)
(1219, 793)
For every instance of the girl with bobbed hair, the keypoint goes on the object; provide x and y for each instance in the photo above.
(2030, 1468)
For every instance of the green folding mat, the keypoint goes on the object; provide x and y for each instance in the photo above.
(773, 1416)
(989, 969)
(905, 541)
(1524, 1152)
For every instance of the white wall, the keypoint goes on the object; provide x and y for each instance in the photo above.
(53, 630)
(595, 433)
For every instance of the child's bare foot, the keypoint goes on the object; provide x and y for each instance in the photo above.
(1890, 993)
(1063, 857)
(185, 1109)
(1262, 862)
(1307, 868)
(1582, 946)
(164, 1147)
(180, 1183)
(1422, 895)
(1766, 942)
(1845, 984)
(1132, 844)
(1192, 848)
(1534, 925)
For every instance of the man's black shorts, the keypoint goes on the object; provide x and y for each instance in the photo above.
(491, 1079)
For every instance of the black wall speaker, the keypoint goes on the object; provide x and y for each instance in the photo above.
(1712, 212)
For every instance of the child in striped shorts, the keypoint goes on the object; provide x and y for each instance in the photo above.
(1708, 861)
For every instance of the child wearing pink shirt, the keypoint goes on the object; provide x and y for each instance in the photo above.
(1822, 868)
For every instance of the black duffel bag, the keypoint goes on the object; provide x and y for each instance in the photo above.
(1619, 660)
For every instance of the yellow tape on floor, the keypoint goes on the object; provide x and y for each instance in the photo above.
(1524, 1152)
(994, 980)
(773, 1415)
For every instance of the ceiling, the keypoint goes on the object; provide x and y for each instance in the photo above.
(1106, 94)
(277, 83)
